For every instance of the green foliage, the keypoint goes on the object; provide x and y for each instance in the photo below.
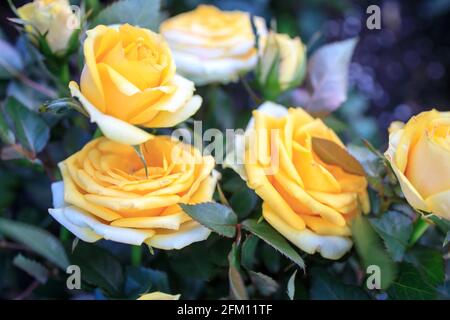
(38, 240)
(10, 61)
(429, 262)
(274, 239)
(142, 13)
(265, 284)
(248, 254)
(99, 268)
(201, 260)
(326, 286)
(395, 229)
(140, 280)
(410, 285)
(30, 130)
(237, 286)
(244, 257)
(32, 267)
(214, 216)
(371, 250)
(291, 286)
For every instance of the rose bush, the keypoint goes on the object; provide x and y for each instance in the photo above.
(303, 190)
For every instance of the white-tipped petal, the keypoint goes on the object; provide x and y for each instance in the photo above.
(188, 233)
(113, 128)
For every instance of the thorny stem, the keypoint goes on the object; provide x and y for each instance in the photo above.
(250, 91)
(12, 246)
(37, 86)
(29, 290)
(238, 234)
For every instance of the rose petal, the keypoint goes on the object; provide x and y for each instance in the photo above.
(113, 128)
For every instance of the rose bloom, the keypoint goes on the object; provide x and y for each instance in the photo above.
(129, 80)
(105, 192)
(419, 154)
(308, 201)
(210, 45)
(52, 18)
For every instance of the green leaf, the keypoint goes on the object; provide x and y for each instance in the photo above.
(142, 13)
(371, 250)
(441, 223)
(237, 286)
(219, 117)
(32, 267)
(248, 251)
(410, 285)
(202, 260)
(10, 61)
(37, 239)
(31, 131)
(98, 267)
(217, 217)
(333, 154)
(429, 262)
(395, 229)
(271, 258)
(139, 280)
(265, 284)
(291, 286)
(328, 287)
(6, 134)
(447, 239)
(274, 239)
(63, 105)
(243, 202)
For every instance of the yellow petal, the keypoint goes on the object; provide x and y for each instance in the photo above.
(164, 222)
(188, 233)
(159, 296)
(330, 247)
(258, 181)
(428, 167)
(166, 119)
(113, 128)
(411, 133)
(439, 204)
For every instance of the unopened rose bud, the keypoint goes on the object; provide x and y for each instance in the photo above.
(282, 64)
(53, 19)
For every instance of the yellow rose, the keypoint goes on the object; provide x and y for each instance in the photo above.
(105, 192)
(282, 64)
(210, 45)
(307, 200)
(51, 17)
(419, 153)
(159, 296)
(129, 80)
